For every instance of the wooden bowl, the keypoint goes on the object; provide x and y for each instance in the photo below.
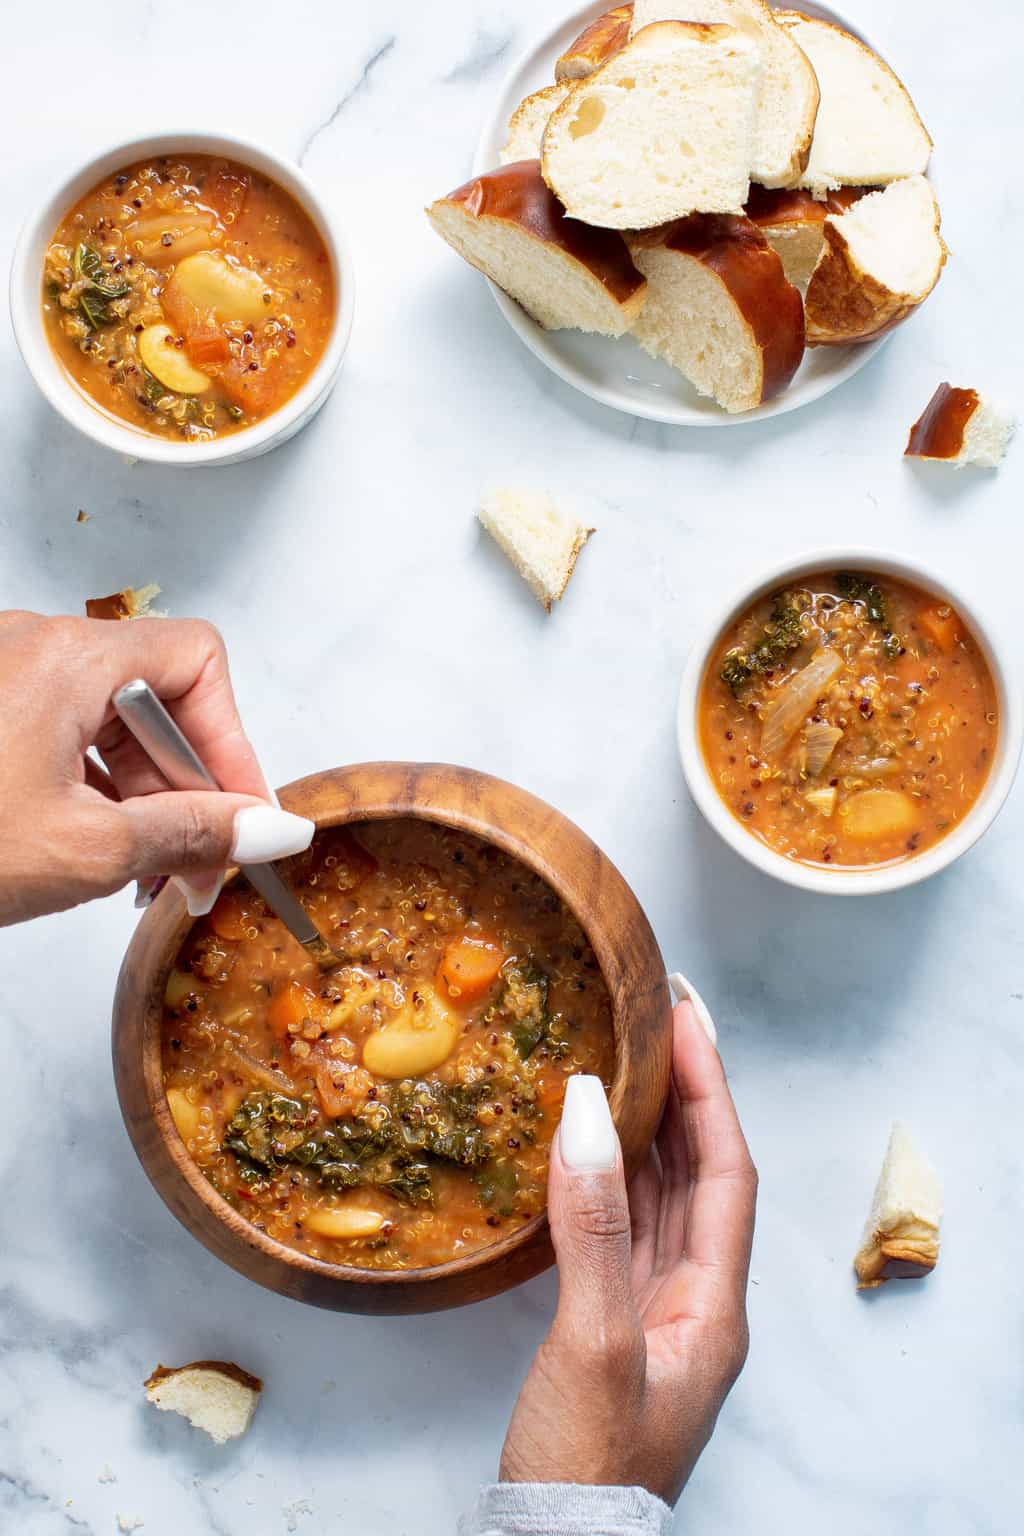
(622, 940)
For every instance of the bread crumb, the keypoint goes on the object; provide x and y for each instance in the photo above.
(542, 541)
(107, 1475)
(83, 516)
(130, 603)
(129, 1523)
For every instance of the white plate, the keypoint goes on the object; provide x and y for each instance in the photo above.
(619, 373)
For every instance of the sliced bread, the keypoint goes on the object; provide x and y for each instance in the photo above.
(527, 124)
(880, 260)
(213, 1395)
(510, 226)
(901, 1237)
(541, 541)
(664, 128)
(960, 427)
(793, 223)
(787, 97)
(867, 131)
(719, 308)
(596, 43)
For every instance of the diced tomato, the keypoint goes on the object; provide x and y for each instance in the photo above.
(469, 966)
(255, 391)
(226, 194)
(291, 1005)
(205, 340)
(230, 917)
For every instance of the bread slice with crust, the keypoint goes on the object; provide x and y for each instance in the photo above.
(131, 603)
(664, 128)
(881, 259)
(793, 223)
(214, 1395)
(787, 98)
(596, 43)
(867, 131)
(527, 124)
(958, 427)
(541, 541)
(510, 226)
(719, 308)
(901, 1237)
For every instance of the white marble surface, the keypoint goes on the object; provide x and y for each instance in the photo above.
(367, 618)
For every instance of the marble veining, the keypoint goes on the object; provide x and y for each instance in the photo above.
(350, 557)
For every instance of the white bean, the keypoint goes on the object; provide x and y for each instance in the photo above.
(415, 1041)
(344, 1221)
(212, 282)
(168, 363)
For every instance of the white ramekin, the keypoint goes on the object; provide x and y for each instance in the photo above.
(61, 391)
(841, 882)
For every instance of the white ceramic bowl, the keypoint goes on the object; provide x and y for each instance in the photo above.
(65, 396)
(619, 373)
(841, 882)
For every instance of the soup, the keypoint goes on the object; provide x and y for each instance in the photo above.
(848, 721)
(188, 296)
(398, 1112)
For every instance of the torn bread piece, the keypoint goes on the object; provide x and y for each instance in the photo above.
(595, 44)
(787, 96)
(881, 259)
(793, 223)
(527, 124)
(132, 603)
(663, 129)
(541, 541)
(719, 308)
(867, 131)
(901, 1238)
(958, 427)
(510, 226)
(214, 1395)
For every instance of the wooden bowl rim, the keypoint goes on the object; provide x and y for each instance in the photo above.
(377, 808)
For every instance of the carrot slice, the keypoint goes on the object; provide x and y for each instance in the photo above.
(941, 625)
(469, 966)
(231, 916)
(291, 1005)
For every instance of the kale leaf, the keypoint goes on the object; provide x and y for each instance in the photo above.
(783, 633)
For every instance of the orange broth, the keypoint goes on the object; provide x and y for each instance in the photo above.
(398, 1112)
(188, 296)
(889, 749)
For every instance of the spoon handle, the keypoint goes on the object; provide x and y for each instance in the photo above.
(168, 747)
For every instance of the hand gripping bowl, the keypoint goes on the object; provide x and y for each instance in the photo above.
(622, 940)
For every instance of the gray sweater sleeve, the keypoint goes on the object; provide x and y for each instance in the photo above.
(566, 1509)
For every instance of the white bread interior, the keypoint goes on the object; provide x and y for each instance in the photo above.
(867, 131)
(541, 541)
(527, 124)
(787, 97)
(665, 128)
(798, 246)
(987, 436)
(213, 1395)
(901, 1236)
(881, 259)
(560, 292)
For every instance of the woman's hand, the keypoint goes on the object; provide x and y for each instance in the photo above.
(71, 829)
(651, 1328)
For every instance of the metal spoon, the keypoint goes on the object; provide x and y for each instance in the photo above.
(167, 746)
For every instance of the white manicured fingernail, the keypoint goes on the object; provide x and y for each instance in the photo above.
(200, 895)
(586, 1136)
(685, 992)
(262, 833)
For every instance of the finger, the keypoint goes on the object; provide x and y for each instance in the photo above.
(589, 1216)
(675, 1183)
(180, 832)
(723, 1181)
(185, 663)
(644, 1200)
(98, 779)
(129, 767)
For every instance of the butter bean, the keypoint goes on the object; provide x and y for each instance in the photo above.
(184, 1113)
(415, 1041)
(233, 292)
(344, 1221)
(168, 363)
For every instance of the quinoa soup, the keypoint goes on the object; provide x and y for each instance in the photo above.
(849, 720)
(398, 1112)
(188, 296)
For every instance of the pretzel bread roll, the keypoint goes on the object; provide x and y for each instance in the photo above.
(596, 43)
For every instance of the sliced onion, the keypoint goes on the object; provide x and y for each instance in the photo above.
(268, 1076)
(821, 741)
(872, 767)
(795, 701)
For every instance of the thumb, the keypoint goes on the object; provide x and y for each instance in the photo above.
(183, 832)
(589, 1215)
